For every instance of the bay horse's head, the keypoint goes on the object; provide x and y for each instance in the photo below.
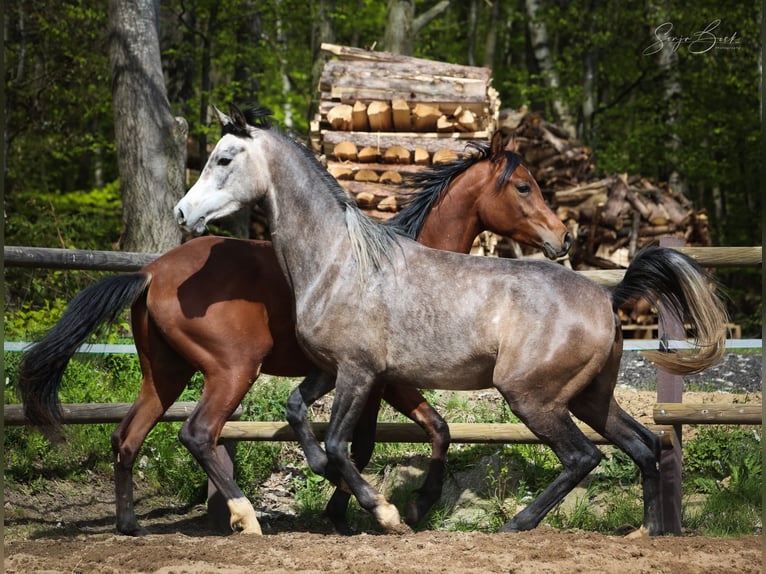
(517, 208)
(235, 175)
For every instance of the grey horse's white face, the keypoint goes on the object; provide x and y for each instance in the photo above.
(236, 175)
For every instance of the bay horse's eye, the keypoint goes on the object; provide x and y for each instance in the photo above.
(523, 188)
(224, 161)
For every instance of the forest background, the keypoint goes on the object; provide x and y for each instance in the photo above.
(666, 89)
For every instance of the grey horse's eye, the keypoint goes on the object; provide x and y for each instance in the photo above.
(224, 161)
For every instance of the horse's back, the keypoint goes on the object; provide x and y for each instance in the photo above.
(219, 300)
(456, 317)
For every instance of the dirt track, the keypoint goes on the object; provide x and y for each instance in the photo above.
(540, 551)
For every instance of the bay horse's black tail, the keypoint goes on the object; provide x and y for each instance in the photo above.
(666, 276)
(43, 365)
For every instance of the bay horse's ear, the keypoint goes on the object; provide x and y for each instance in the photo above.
(512, 145)
(497, 146)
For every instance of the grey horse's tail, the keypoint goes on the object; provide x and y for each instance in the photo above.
(685, 291)
(43, 365)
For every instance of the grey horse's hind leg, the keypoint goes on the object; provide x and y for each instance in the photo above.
(577, 454)
(638, 442)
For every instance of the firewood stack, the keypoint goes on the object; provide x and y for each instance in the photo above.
(610, 216)
(383, 116)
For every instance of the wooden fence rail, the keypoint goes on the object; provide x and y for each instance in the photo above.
(50, 258)
(265, 431)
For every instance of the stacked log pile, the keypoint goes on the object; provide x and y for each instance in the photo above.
(611, 216)
(382, 116)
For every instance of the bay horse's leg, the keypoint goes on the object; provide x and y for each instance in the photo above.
(598, 408)
(222, 393)
(410, 402)
(578, 455)
(165, 375)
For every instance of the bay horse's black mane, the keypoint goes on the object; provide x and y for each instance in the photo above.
(434, 182)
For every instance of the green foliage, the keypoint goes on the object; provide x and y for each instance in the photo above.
(715, 449)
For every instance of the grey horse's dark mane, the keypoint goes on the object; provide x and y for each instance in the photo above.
(371, 242)
(434, 182)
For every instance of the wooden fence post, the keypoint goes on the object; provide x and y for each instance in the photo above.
(670, 389)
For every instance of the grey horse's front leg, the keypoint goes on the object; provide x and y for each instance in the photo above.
(353, 387)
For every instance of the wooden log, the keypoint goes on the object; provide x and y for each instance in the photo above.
(445, 124)
(444, 156)
(340, 171)
(388, 204)
(397, 154)
(369, 154)
(616, 204)
(345, 151)
(391, 177)
(582, 192)
(430, 142)
(400, 112)
(366, 175)
(348, 81)
(424, 117)
(713, 413)
(378, 166)
(359, 117)
(365, 199)
(379, 116)
(96, 413)
(464, 433)
(421, 156)
(376, 190)
(340, 117)
(466, 121)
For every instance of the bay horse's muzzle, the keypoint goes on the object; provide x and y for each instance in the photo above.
(566, 243)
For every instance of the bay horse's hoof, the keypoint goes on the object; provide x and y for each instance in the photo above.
(640, 533)
(243, 516)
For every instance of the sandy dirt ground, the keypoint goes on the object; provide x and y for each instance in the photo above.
(69, 528)
(540, 551)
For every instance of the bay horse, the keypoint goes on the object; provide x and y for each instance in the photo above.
(374, 307)
(223, 307)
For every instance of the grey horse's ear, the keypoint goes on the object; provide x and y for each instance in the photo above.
(238, 118)
(223, 119)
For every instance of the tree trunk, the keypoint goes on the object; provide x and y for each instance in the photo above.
(150, 142)
(472, 19)
(538, 34)
(668, 63)
(399, 36)
(322, 32)
(491, 40)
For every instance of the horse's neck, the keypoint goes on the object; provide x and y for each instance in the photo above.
(307, 224)
(453, 223)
